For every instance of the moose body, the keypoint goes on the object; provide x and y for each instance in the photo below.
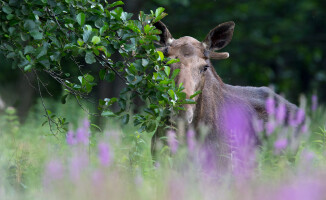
(217, 100)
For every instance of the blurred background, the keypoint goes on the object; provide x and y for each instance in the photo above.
(280, 43)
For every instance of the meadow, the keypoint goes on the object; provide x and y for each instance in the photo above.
(115, 162)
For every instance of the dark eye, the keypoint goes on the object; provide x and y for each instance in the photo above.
(206, 67)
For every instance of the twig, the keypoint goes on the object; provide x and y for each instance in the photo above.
(106, 64)
(82, 107)
(44, 107)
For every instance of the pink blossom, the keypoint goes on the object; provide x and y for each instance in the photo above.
(314, 104)
(82, 136)
(300, 116)
(191, 140)
(270, 127)
(70, 138)
(53, 172)
(281, 113)
(281, 144)
(77, 164)
(104, 154)
(172, 141)
(270, 105)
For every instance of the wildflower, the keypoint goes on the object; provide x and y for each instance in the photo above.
(53, 172)
(270, 105)
(314, 104)
(304, 128)
(270, 127)
(104, 154)
(191, 140)
(300, 116)
(97, 178)
(77, 164)
(86, 123)
(281, 113)
(280, 144)
(172, 141)
(82, 136)
(70, 138)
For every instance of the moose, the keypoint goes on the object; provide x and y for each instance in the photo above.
(197, 73)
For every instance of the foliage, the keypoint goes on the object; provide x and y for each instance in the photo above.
(38, 35)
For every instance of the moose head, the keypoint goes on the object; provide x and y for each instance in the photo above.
(194, 57)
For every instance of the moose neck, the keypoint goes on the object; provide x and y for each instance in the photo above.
(210, 100)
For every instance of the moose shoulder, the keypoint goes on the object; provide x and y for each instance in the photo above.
(216, 98)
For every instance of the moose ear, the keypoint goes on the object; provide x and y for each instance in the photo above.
(220, 36)
(165, 36)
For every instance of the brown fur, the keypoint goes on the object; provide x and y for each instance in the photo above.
(194, 59)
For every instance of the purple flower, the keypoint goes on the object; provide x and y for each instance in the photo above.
(280, 144)
(281, 113)
(314, 104)
(104, 154)
(240, 138)
(53, 172)
(300, 190)
(86, 123)
(172, 141)
(270, 105)
(304, 128)
(70, 138)
(191, 140)
(77, 164)
(98, 178)
(300, 116)
(270, 127)
(82, 136)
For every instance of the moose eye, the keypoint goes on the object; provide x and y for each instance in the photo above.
(204, 68)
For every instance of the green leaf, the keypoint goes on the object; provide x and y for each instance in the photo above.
(172, 61)
(28, 49)
(7, 9)
(29, 25)
(167, 70)
(161, 55)
(125, 119)
(96, 40)
(87, 33)
(102, 74)
(64, 99)
(189, 101)
(171, 93)
(159, 11)
(103, 29)
(147, 28)
(195, 94)
(175, 73)
(108, 113)
(117, 3)
(27, 68)
(37, 35)
(144, 62)
(89, 57)
(80, 42)
(81, 19)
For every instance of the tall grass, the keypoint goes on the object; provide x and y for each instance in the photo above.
(116, 163)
